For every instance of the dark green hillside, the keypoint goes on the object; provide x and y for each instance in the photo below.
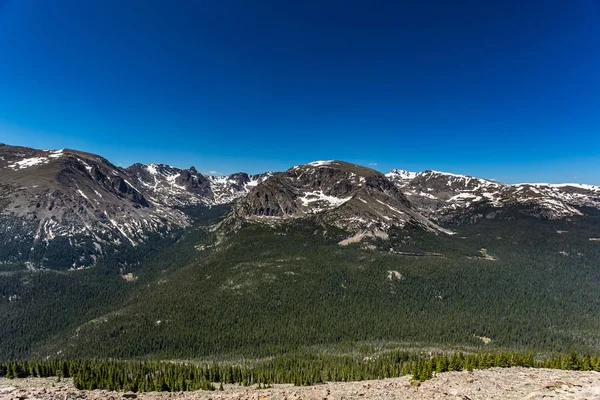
(265, 291)
(38, 306)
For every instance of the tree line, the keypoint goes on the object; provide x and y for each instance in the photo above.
(298, 369)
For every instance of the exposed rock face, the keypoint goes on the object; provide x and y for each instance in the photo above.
(345, 195)
(172, 186)
(459, 199)
(184, 187)
(227, 189)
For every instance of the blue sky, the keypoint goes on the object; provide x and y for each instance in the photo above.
(505, 90)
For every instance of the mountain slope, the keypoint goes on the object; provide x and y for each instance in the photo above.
(67, 198)
(459, 198)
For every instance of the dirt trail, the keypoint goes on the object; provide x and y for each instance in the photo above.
(495, 383)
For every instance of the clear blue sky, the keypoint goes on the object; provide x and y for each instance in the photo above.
(501, 89)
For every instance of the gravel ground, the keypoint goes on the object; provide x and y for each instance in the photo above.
(495, 383)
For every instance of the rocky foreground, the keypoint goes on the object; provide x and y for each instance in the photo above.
(495, 383)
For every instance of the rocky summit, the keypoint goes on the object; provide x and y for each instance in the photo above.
(348, 196)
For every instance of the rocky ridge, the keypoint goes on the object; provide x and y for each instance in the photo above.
(447, 197)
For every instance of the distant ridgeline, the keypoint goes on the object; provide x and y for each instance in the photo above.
(148, 376)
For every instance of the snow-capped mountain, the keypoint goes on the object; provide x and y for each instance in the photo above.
(78, 204)
(71, 199)
(68, 198)
(450, 197)
(347, 196)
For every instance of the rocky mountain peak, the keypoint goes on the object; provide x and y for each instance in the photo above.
(348, 196)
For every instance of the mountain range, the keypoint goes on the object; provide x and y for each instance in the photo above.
(57, 199)
(329, 257)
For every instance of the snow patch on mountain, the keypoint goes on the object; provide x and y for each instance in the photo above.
(28, 162)
(151, 168)
(33, 161)
(319, 201)
(320, 163)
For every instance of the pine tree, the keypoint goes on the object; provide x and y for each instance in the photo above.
(10, 373)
